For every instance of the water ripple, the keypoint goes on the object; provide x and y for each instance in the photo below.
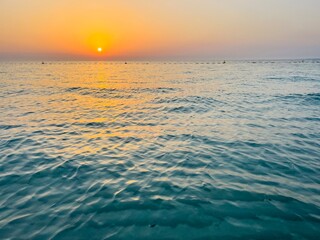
(159, 151)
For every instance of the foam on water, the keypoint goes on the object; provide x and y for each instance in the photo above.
(160, 151)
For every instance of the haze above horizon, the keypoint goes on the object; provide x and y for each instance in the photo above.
(140, 29)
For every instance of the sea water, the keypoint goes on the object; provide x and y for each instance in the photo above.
(160, 150)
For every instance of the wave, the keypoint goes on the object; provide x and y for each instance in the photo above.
(305, 99)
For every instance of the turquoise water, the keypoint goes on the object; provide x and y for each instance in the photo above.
(161, 150)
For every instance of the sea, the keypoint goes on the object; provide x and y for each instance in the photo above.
(160, 150)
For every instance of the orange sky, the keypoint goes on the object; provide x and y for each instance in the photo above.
(134, 29)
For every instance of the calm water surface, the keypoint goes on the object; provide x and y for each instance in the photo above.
(160, 150)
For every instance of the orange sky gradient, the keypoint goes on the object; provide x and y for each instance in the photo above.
(141, 29)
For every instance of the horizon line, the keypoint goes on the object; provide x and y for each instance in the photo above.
(161, 60)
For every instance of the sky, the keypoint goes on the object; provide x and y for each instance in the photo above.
(159, 29)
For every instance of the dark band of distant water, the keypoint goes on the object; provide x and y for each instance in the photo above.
(160, 151)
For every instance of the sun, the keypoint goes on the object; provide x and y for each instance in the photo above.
(99, 49)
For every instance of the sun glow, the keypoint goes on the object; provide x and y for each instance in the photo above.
(99, 49)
